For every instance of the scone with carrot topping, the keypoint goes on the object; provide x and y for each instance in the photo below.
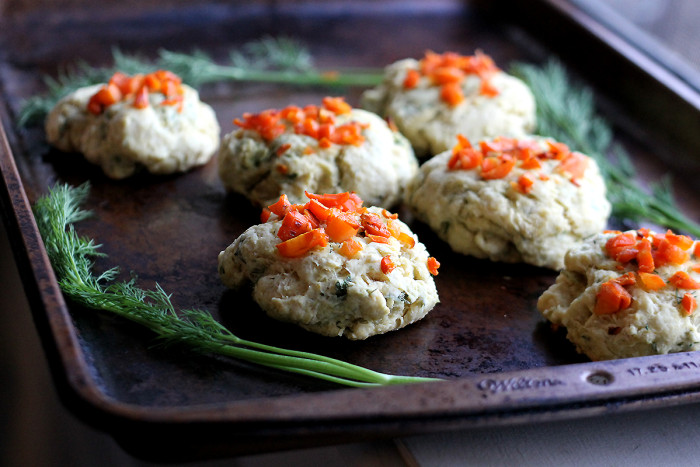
(628, 294)
(148, 121)
(327, 149)
(334, 267)
(434, 99)
(513, 200)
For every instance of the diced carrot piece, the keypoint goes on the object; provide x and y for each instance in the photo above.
(626, 279)
(337, 105)
(265, 215)
(330, 200)
(696, 251)
(282, 149)
(615, 245)
(378, 238)
(688, 303)
(465, 159)
(389, 215)
(695, 268)
(433, 266)
(373, 225)
(651, 281)
(350, 248)
(281, 206)
(558, 150)
(611, 298)
(496, 167)
(645, 259)
(141, 98)
(341, 226)
(681, 241)
(411, 80)
(407, 239)
(666, 253)
(292, 114)
(682, 280)
(444, 75)
(488, 89)
(302, 244)
(293, 225)
(318, 209)
(393, 228)
(452, 94)
(387, 265)
(574, 164)
(525, 183)
(531, 164)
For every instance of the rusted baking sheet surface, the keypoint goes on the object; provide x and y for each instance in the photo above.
(502, 362)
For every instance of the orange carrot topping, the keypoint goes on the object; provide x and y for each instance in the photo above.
(407, 239)
(496, 167)
(451, 93)
(688, 303)
(316, 122)
(667, 253)
(433, 266)
(389, 215)
(282, 168)
(318, 209)
(377, 238)
(498, 157)
(696, 251)
(650, 251)
(611, 298)
(136, 89)
(281, 206)
(682, 280)
(350, 248)
(302, 244)
(282, 149)
(651, 281)
(449, 70)
(525, 183)
(373, 225)
(336, 217)
(387, 265)
(293, 225)
(341, 226)
(412, 79)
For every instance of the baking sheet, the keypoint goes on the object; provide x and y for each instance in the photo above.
(501, 361)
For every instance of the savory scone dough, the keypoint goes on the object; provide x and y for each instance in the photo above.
(658, 319)
(122, 139)
(377, 164)
(531, 215)
(506, 107)
(325, 291)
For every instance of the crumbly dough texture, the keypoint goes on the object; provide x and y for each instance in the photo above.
(653, 324)
(124, 139)
(492, 219)
(431, 125)
(377, 170)
(326, 293)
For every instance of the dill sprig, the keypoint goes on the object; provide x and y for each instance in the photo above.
(268, 60)
(566, 112)
(72, 259)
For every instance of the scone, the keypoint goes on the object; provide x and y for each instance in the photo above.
(135, 122)
(628, 294)
(434, 99)
(334, 267)
(512, 200)
(328, 149)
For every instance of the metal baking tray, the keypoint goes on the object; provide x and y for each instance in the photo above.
(500, 361)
